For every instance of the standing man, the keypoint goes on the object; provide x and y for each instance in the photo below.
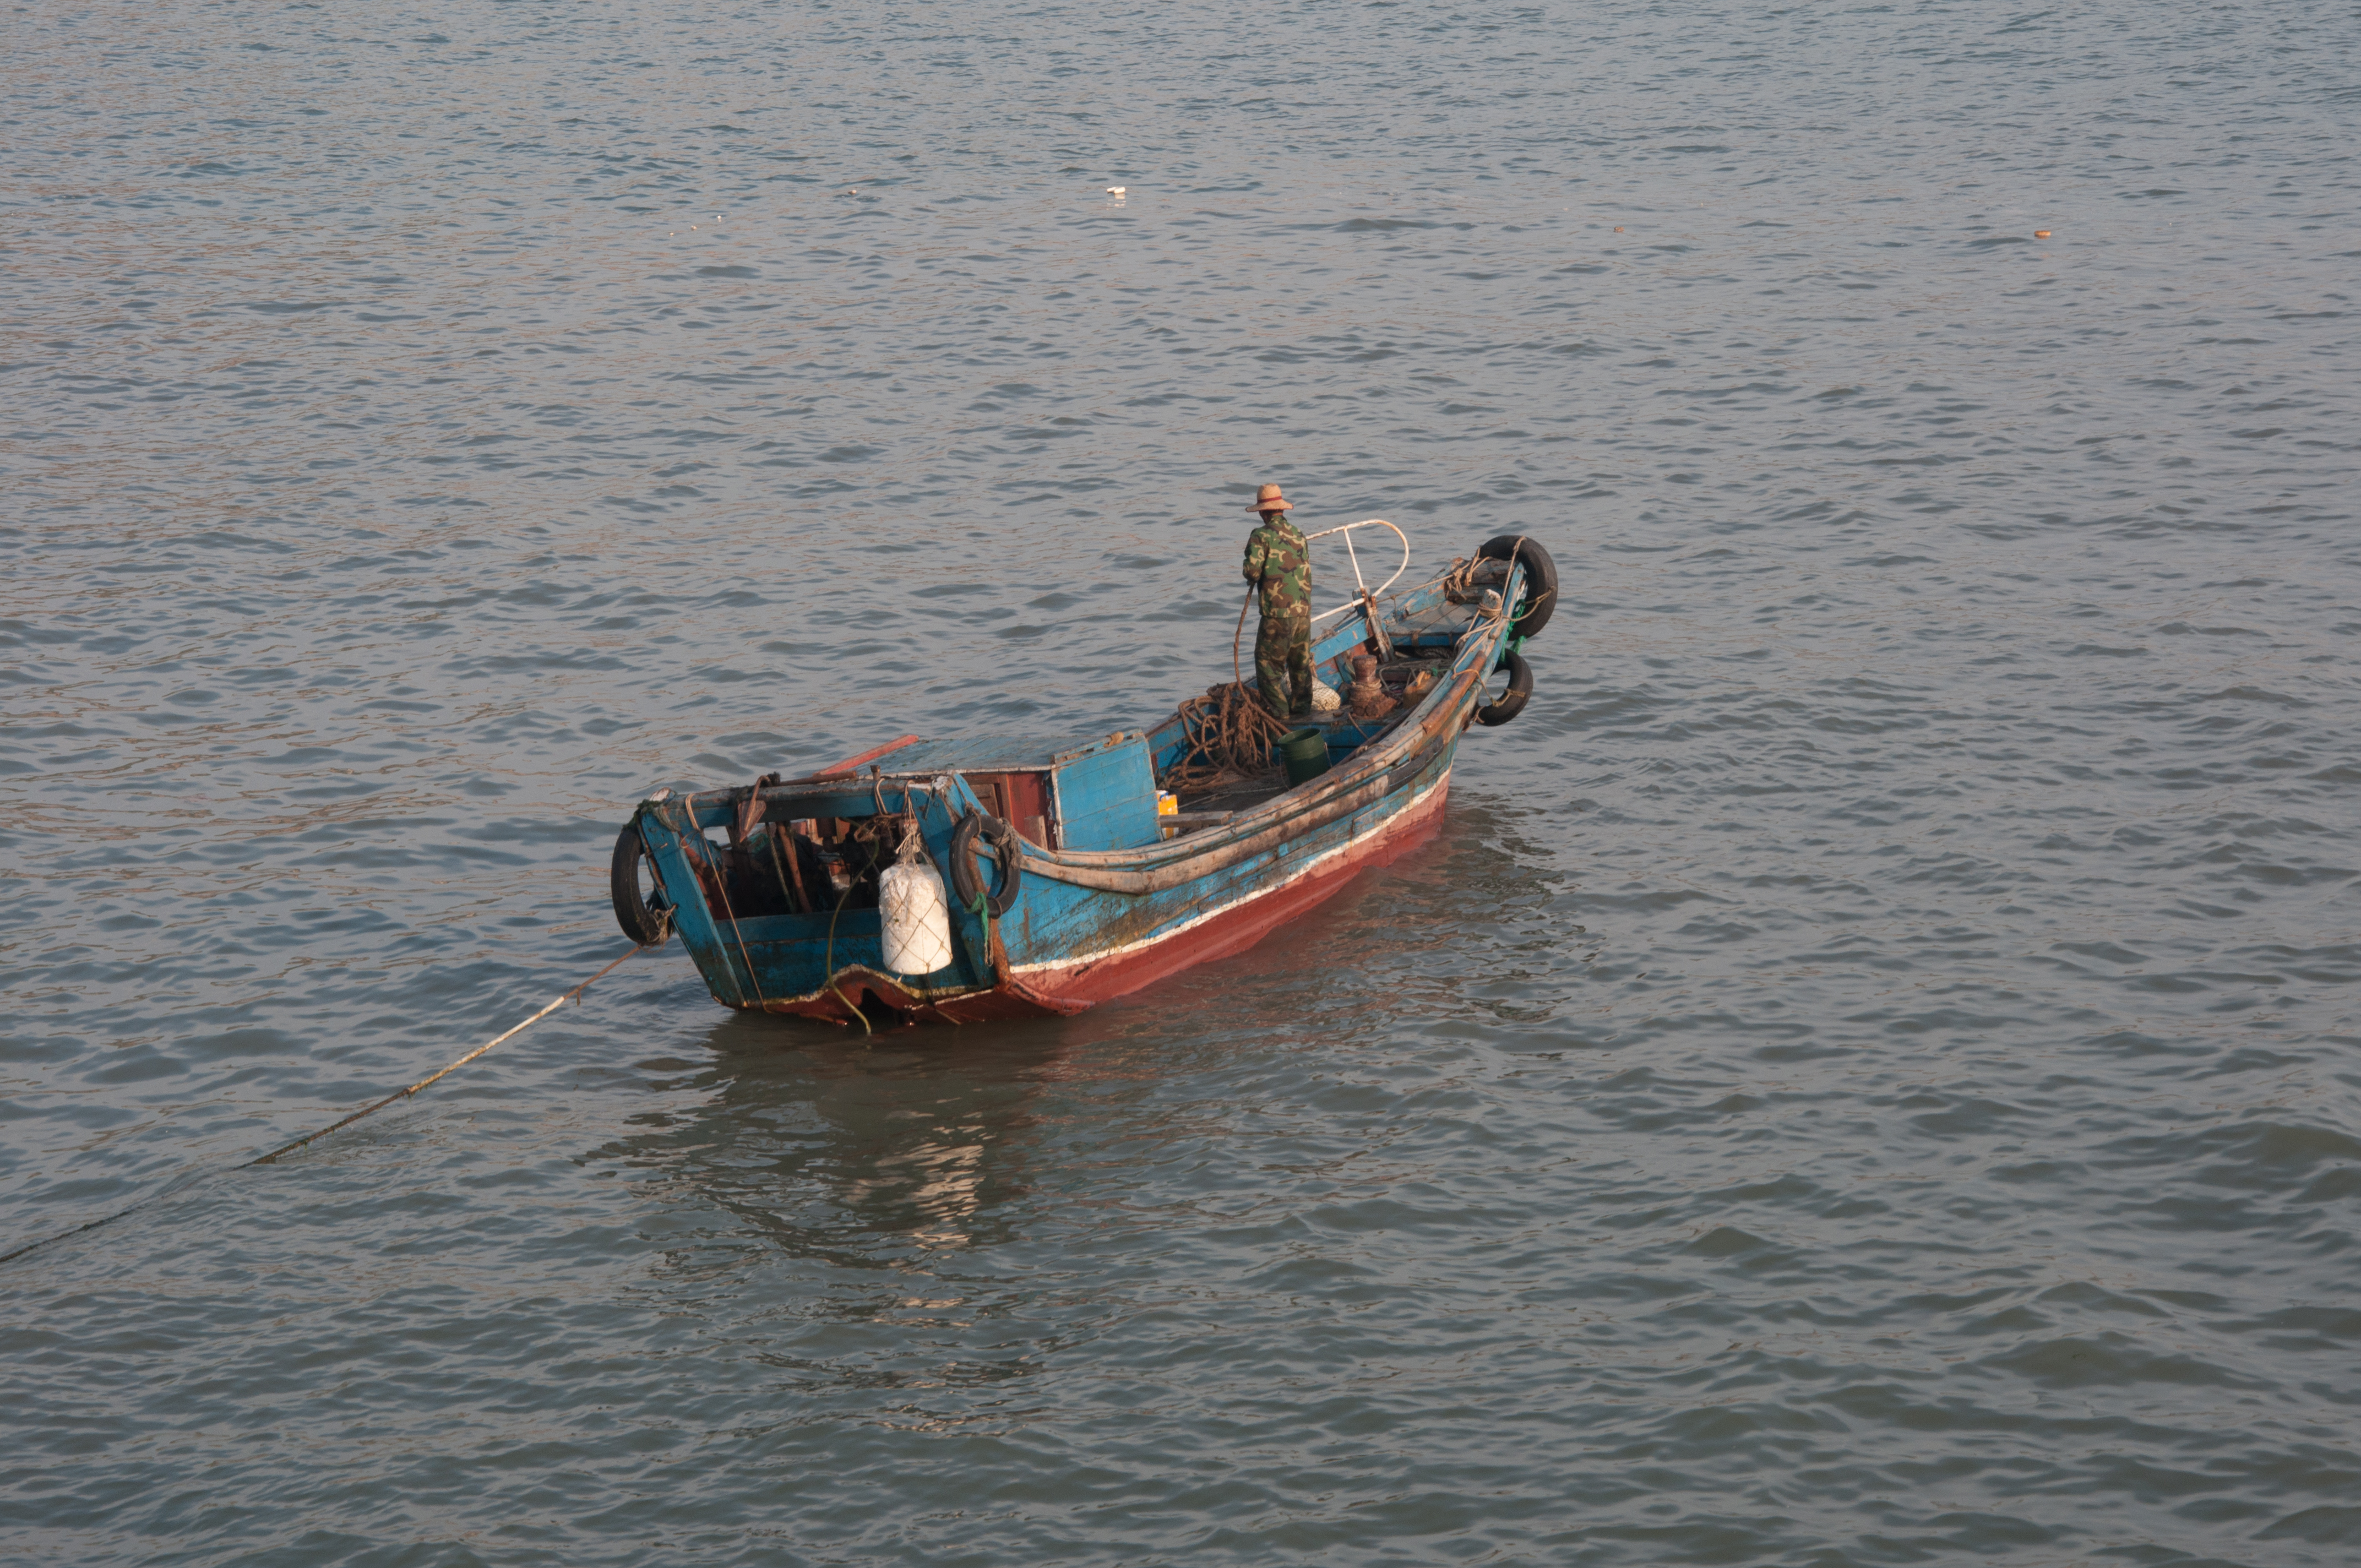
(1279, 563)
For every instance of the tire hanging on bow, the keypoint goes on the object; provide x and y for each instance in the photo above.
(1539, 602)
(1512, 701)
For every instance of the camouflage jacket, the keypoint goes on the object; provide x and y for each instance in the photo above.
(1279, 560)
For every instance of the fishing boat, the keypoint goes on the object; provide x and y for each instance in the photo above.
(1007, 876)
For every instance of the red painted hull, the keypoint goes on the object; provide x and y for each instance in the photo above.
(1053, 990)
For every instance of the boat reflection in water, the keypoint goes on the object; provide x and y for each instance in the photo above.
(836, 1152)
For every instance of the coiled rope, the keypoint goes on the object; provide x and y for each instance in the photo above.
(1230, 735)
(1230, 732)
(562, 998)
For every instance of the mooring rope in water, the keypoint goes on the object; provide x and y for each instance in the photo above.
(560, 1000)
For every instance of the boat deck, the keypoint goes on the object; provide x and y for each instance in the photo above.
(1238, 797)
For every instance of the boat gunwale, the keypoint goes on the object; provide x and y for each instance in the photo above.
(1419, 730)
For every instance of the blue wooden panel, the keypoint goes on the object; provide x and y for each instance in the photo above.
(1106, 797)
(790, 802)
(665, 828)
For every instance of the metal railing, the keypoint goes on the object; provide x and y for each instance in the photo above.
(1366, 596)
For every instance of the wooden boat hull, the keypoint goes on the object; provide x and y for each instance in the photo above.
(1060, 988)
(1082, 925)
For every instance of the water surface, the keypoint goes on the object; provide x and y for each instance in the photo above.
(1866, 1075)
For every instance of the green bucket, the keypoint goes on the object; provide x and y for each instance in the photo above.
(1305, 752)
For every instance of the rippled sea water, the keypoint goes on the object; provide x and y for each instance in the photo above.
(1866, 1075)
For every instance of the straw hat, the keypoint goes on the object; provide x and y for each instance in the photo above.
(1267, 499)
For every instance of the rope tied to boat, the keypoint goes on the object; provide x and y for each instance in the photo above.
(1459, 582)
(560, 1000)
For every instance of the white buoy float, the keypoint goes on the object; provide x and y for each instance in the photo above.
(914, 912)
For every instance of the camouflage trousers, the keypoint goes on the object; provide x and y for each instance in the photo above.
(1283, 656)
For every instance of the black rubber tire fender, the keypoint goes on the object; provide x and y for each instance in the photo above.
(640, 923)
(967, 876)
(1539, 600)
(1512, 701)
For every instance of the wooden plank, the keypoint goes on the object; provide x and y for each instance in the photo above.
(870, 755)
